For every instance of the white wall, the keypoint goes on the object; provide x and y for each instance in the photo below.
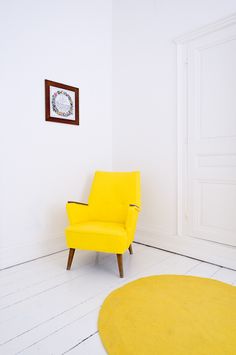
(44, 164)
(144, 96)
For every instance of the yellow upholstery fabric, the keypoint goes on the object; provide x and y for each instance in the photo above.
(115, 188)
(102, 236)
(170, 314)
(108, 222)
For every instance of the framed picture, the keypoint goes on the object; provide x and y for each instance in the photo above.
(61, 103)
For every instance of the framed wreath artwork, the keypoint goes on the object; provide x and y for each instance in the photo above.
(61, 103)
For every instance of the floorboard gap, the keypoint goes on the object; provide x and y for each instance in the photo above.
(82, 341)
(29, 261)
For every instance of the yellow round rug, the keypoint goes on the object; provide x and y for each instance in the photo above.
(170, 315)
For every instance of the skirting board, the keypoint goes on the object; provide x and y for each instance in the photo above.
(210, 252)
(20, 254)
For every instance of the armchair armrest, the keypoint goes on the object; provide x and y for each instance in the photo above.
(132, 217)
(137, 207)
(77, 212)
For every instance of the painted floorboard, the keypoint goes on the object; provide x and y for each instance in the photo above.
(67, 337)
(20, 331)
(44, 271)
(90, 346)
(47, 310)
(203, 270)
(225, 275)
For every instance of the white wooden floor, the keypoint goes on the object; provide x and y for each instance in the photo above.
(45, 309)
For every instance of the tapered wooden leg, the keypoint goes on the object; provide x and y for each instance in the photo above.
(130, 249)
(70, 258)
(120, 264)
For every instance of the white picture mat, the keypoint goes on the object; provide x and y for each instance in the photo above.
(54, 89)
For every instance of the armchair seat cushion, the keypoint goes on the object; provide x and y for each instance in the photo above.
(98, 236)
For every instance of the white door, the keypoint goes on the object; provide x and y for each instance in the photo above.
(210, 179)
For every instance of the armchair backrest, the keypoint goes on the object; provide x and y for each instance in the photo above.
(112, 193)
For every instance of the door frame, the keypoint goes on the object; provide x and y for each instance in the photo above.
(182, 44)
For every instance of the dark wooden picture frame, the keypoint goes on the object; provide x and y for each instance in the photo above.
(73, 101)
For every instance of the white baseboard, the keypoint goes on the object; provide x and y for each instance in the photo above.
(159, 230)
(215, 253)
(19, 254)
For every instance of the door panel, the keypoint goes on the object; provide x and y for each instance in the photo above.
(211, 149)
(218, 88)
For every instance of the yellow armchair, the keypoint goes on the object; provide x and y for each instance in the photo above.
(108, 222)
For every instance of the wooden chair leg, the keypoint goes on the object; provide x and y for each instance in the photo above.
(70, 258)
(130, 249)
(120, 264)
